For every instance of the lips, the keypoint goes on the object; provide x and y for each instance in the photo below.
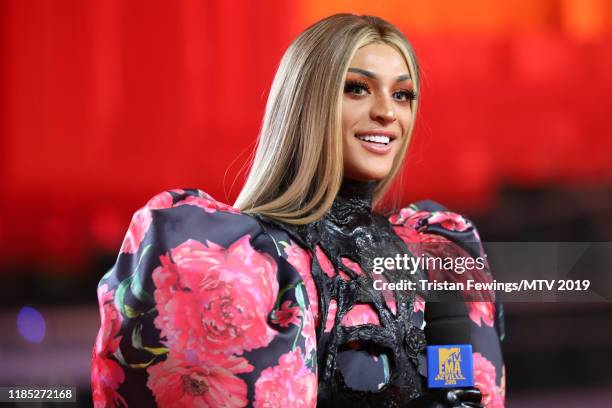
(376, 141)
(381, 139)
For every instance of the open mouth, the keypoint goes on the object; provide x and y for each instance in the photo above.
(375, 139)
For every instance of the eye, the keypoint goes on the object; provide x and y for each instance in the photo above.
(356, 87)
(405, 96)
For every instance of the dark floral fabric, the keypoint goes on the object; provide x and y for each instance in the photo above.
(426, 222)
(205, 308)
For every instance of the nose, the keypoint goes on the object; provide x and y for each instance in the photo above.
(382, 110)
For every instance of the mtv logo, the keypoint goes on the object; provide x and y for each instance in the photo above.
(450, 366)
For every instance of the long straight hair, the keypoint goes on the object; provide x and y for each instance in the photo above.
(297, 169)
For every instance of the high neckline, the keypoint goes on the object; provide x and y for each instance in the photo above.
(359, 193)
(353, 203)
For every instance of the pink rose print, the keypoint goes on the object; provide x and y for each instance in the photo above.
(484, 379)
(436, 246)
(136, 231)
(482, 311)
(343, 275)
(409, 217)
(391, 304)
(361, 313)
(141, 221)
(301, 261)
(207, 204)
(106, 342)
(472, 272)
(413, 238)
(389, 296)
(502, 385)
(106, 374)
(160, 201)
(287, 315)
(407, 234)
(406, 213)
(449, 220)
(290, 384)
(299, 258)
(354, 266)
(177, 382)
(418, 305)
(215, 300)
(308, 332)
(331, 315)
(410, 226)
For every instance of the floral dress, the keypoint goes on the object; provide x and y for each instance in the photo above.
(209, 307)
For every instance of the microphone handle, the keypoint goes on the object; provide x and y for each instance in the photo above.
(449, 398)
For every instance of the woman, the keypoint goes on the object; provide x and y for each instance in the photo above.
(271, 302)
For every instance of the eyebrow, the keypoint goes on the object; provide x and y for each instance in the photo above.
(373, 76)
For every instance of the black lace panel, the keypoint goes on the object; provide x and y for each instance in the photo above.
(351, 230)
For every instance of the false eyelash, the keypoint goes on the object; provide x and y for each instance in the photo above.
(351, 85)
(411, 95)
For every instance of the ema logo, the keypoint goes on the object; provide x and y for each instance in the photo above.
(449, 366)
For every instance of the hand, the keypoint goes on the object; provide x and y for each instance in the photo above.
(449, 398)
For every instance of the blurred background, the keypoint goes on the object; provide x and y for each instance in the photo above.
(105, 103)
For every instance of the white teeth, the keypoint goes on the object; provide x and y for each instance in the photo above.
(375, 138)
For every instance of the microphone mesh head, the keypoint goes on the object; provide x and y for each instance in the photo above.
(447, 323)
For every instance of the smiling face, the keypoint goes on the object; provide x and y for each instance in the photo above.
(376, 111)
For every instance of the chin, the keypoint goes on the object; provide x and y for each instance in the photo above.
(369, 174)
(377, 171)
(378, 176)
(367, 166)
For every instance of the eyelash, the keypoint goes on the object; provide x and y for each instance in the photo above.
(350, 86)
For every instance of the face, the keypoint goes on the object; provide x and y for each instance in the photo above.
(376, 111)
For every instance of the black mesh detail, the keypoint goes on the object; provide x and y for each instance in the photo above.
(351, 230)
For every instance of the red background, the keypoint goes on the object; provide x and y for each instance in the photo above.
(105, 103)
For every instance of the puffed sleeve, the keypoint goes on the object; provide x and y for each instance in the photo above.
(432, 228)
(204, 307)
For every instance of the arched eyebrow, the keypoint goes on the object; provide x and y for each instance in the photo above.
(372, 75)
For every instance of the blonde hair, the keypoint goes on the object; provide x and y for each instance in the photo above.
(298, 166)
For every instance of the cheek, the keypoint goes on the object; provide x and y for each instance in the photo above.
(353, 112)
(405, 119)
(348, 119)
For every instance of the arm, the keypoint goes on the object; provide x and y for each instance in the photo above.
(202, 308)
(431, 226)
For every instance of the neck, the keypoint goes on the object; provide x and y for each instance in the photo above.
(355, 195)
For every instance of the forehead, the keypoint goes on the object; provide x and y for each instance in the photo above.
(381, 59)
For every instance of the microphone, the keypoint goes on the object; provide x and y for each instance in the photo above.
(449, 352)
(450, 368)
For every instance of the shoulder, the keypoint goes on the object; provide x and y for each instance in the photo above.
(200, 288)
(431, 217)
(185, 225)
(192, 197)
(188, 234)
(186, 213)
(430, 222)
